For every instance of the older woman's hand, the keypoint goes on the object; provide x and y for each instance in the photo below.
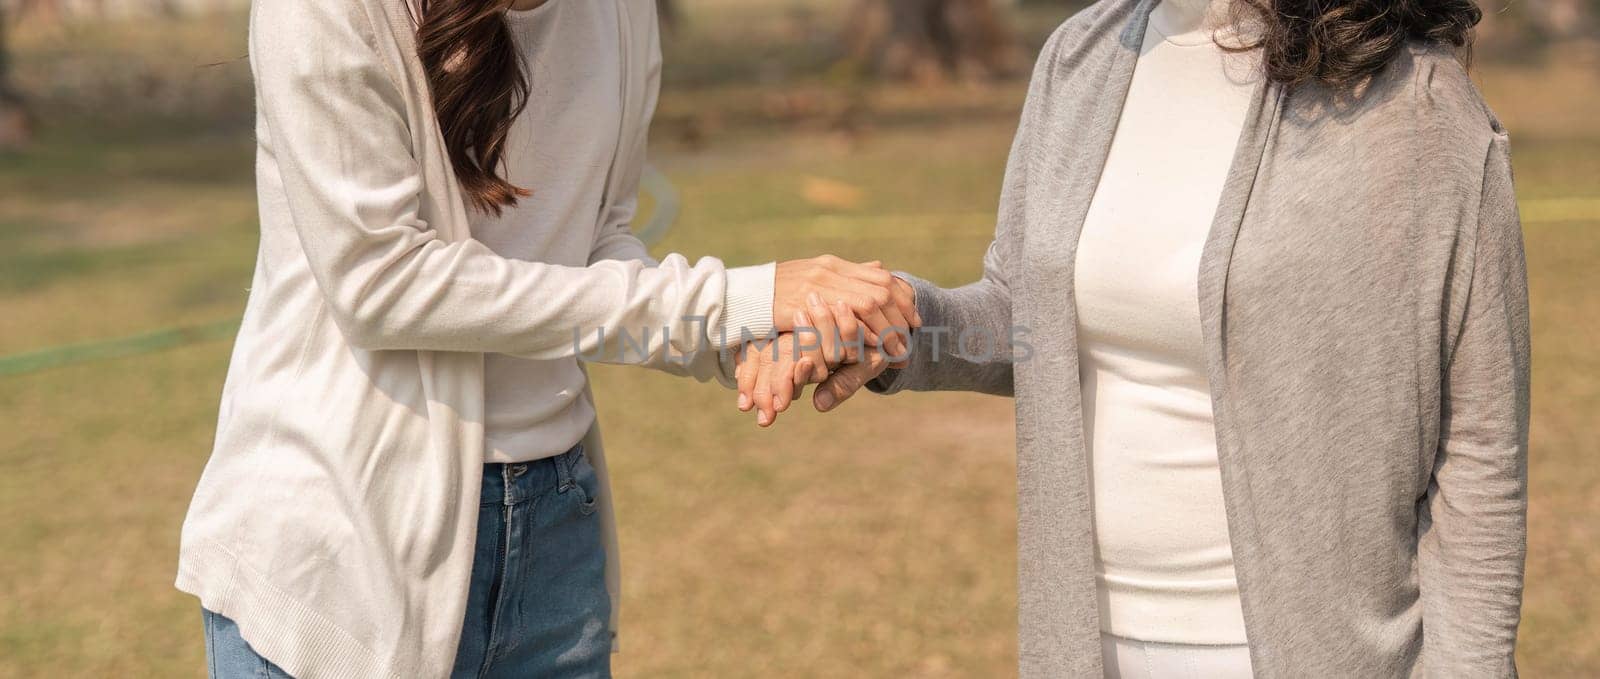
(772, 375)
(848, 380)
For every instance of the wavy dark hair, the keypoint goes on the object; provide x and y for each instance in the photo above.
(478, 89)
(1343, 43)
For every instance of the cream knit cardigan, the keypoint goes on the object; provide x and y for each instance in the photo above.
(336, 519)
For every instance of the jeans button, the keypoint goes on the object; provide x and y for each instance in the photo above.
(519, 469)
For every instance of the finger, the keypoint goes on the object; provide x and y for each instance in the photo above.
(849, 332)
(807, 345)
(827, 338)
(804, 369)
(905, 297)
(861, 272)
(899, 330)
(864, 296)
(848, 380)
(869, 304)
(881, 301)
(746, 374)
(878, 327)
(781, 375)
(763, 389)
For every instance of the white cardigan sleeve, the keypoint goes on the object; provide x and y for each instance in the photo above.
(748, 301)
(337, 130)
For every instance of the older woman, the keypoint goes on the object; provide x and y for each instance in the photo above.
(1258, 289)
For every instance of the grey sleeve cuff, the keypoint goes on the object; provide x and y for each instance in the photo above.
(895, 380)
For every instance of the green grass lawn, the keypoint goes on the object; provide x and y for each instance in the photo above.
(876, 542)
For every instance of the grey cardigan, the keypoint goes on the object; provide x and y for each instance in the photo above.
(1364, 303)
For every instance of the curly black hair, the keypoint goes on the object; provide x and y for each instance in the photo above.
(1342, 43)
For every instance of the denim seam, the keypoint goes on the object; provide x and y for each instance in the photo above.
(502, 559)
(211, 644)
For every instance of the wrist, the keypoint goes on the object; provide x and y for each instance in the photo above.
(747, 305)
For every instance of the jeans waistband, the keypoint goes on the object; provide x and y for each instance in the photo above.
(516, 482)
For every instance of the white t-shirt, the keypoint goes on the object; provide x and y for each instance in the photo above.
(562, 148)
(1166, 564)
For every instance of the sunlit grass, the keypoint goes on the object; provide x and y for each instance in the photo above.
(877, 542)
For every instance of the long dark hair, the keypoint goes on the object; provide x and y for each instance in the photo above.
(478, 89)
(1342, 43)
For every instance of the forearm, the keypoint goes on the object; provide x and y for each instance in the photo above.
(967, 341)
(747, 308)
(1470, 570)
(1473, 531)
(438, 296)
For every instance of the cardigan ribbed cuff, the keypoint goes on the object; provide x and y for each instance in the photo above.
(747, 305)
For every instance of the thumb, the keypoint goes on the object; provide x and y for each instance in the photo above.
(843, 384)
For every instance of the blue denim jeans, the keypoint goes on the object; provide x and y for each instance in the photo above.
(537, 605)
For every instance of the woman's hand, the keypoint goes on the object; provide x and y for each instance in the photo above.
(829, 313)
(883, 303)
(772, 375)
(848, 380)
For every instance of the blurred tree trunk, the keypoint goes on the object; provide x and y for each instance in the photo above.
(931, 40)
(48, 11)
(1537, 25)
(14, 126)
(667, 11)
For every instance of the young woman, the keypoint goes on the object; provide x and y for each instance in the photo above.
(1258, 289)
(407, 481)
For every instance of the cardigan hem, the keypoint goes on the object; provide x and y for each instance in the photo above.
(281, 628)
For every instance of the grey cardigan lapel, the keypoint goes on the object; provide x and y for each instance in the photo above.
(1256, 137)
(1055, 509)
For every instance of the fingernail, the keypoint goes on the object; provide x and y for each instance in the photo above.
(762, 419)
(814, 299)
(825, 400)
(800, 320)
(744, 401)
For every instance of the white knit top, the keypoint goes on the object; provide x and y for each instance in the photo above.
(1166, 565)
(562, 148)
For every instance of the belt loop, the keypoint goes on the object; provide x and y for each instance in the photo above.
(564, 466)
(506, 476)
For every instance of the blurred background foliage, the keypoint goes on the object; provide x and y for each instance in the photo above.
(877, 542)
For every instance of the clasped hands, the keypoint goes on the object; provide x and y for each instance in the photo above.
(839, 324)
